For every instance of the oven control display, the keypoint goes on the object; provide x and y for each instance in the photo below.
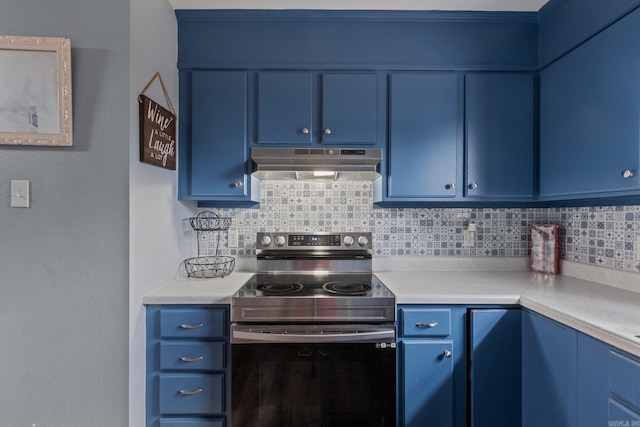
(314, 240)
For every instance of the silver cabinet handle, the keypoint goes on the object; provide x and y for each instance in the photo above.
(191, 359)
(305, 131)
(450, 186)
(427, 325)
(473, 186)
(238, 183)
(447, 354)
(194, 326)
(189, 392)
(627, 173)
(327, 131)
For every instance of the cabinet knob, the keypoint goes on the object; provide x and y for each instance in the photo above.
(305, 131)
(446, 354)
(473, 186)
(450, 186)
(627, 173)
(238, 184)
(327, 131)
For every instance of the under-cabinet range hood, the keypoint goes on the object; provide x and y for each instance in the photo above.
(344, 164)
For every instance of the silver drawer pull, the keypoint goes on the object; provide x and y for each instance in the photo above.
(187, 326)
(189, 392)
(447, 354)
(191, 359)
(427, 325)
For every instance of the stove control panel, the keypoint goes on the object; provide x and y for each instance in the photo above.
(332, 241)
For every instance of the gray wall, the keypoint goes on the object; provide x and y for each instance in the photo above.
(64, 261)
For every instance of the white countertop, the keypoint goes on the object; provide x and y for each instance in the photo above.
(198, 291)
(610, 314)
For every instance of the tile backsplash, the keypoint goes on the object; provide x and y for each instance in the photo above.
(603, 236)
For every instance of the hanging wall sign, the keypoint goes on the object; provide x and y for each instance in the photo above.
(157, 130)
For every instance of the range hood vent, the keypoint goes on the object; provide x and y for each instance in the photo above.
(344, 164)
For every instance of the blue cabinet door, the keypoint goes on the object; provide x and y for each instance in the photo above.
(427, 383)
(285, 107)
(424, 135)
(549, 373)
(495, 367)
(215, 156)
(349, 108)
(590, 116)
(593, 356)
(500, 152)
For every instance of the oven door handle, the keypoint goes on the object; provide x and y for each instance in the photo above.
(314, 338)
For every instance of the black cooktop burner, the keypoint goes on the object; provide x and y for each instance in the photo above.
(346, 288)
(280, 288)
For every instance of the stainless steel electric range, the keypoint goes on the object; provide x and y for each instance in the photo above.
(313, 335)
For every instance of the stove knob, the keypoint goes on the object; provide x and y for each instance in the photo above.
(362, 240)
(265, 241)
(280, 240)
(348, 240)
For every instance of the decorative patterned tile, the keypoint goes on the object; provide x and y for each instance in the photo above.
(603, 235)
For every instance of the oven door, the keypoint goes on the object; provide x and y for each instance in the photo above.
(342, 376)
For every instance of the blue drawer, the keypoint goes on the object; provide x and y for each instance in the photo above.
(624, 378)
(620, 415)
(425, 322)
(192, 356)
(192, 323)
(196, 394)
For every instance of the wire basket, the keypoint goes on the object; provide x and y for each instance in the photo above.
(207, 267)
(209, 221)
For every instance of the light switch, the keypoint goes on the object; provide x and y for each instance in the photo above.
(20, 194)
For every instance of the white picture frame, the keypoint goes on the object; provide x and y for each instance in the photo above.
(35, 95)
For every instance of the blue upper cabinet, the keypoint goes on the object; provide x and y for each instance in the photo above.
(424, 137)
(427, 122)
(285, 109)
(590, 117)
(349, 108)
(288, 107)
(213, 152)
(500, 132)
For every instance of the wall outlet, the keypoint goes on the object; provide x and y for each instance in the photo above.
(470, 234)
(232, 237)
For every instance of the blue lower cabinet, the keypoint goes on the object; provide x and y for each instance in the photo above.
(624, 389)
(427, 383)
(432, 366)
(495, 367)
(188, 366)
(593, 379)
(549, 373)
